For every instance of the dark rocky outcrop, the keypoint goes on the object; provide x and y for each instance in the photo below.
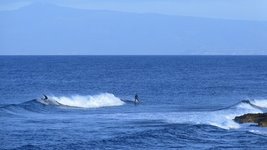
(260, 119)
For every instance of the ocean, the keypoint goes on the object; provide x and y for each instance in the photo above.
(186, 102)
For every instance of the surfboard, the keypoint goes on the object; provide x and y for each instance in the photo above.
(130, 101)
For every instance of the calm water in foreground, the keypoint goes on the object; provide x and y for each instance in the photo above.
(187, 102)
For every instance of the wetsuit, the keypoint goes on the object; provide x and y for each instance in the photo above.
(136, 99)
(45, 97)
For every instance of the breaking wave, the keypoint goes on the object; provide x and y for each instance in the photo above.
(95, 101)
(260, 103)
(222, 118)
(54, 104)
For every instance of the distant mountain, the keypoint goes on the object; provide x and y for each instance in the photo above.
(49, 29)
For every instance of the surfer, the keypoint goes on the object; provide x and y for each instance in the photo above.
(136, 98)
(45, 97)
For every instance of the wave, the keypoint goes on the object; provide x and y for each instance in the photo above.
(95, 101)
(260, 103)
(222, 118)
(58, 104)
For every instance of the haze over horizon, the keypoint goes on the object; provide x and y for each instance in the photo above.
(119, 27)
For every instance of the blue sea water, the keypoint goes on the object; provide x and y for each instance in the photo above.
(187, 102)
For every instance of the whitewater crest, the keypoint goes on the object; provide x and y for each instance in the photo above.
(262, 103)
(89, 101)
(222, 118)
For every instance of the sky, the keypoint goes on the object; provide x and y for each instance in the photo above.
(242, 18)
(226, 9)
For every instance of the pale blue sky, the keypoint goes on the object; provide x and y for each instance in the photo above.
(227, 9)
(133, 27)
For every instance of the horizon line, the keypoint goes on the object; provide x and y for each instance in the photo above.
(136, 55)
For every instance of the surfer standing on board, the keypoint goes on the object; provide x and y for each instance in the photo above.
(136, 98)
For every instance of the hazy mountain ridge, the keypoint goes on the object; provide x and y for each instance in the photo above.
(63, 30)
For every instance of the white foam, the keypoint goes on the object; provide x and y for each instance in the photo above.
(260, 103)
(95, 101)
(245, 106)
(259, 131)
(221, 118)
(224, 118)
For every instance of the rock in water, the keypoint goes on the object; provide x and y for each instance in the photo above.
(260, 119)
